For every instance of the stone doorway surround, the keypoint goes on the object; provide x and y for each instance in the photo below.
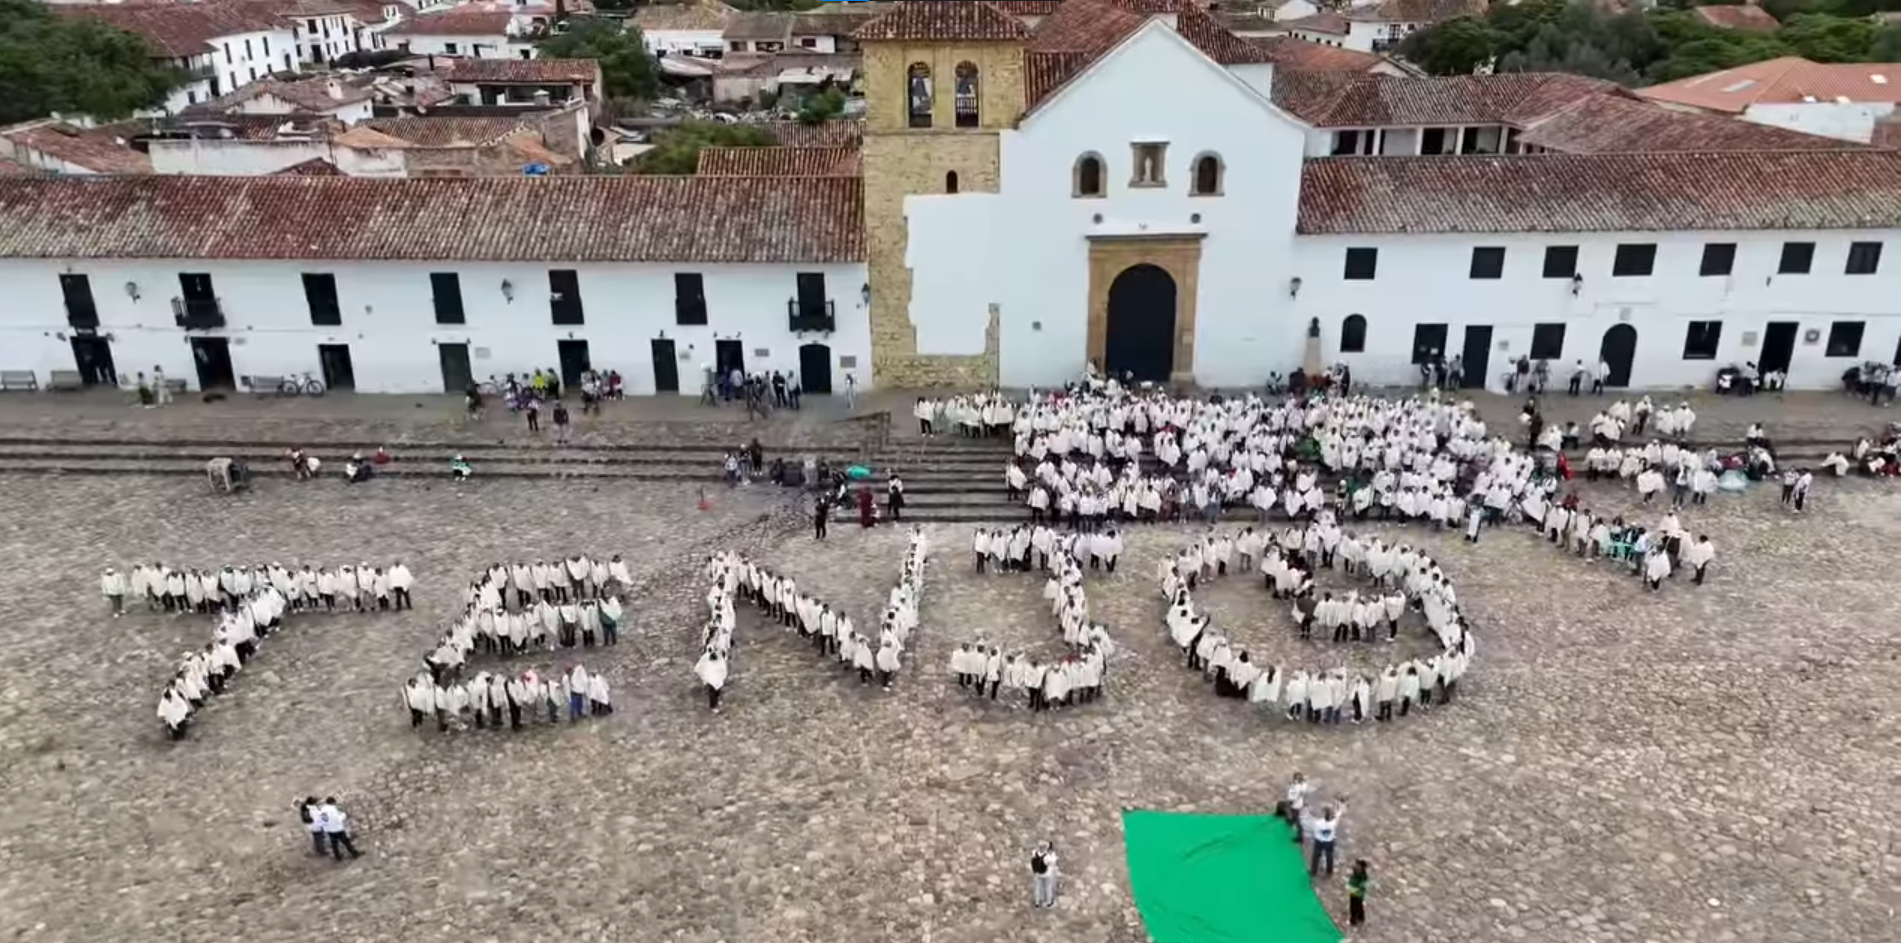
(1178, 255)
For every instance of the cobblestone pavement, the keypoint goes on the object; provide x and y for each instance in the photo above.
(1707, 764)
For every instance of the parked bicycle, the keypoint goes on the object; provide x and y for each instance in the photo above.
(301, 385)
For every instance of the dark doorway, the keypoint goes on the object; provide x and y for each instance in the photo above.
(574, 361)
(1141, 324)
(457, 376)
(212, 355)
(1778, 346)
(1429, 343)
(1476, 355)
(666, 367)
(338, 372)
(815, 368)
(1617, 352)
(92, 356)
(727, 357)
(81, 312)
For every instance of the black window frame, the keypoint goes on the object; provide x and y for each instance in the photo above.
(324, 312)
(689, 299)
(1840, 346)
(1541, 342)
(1353, 334)
(1361, 259)
(445, 294)
(1864, 258)
(1561, 254)
(1707, 337)
(1445, 335)
(1719, 259)
(1634, 260)
(1798, 258)
(1488, 263)
(564, 298)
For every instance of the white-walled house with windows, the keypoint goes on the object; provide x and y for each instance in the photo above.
(409, 286)
(223, 45)
(1123, 183)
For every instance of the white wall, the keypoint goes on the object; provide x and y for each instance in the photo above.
(691, 41)
(1038, 236)
(1854, 121)
(824, 44)
(234, 158)
(478, 47)
(238, 66)
(1427, 279)
(389, 321)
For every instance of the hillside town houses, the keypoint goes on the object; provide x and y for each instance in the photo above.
(1035, 185)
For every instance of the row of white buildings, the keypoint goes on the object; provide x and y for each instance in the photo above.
(1121, 182)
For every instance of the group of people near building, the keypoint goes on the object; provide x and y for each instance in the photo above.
(982, 668)
(971, 415)
(733, 578)
(1867, 457)
(361, 588)
(512, 609)
(1402, 578)
(492, 701)
(249, 604)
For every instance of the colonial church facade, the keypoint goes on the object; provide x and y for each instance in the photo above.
(1119, 186)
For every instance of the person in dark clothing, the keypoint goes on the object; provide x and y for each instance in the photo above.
(1358, 883)
(821, 509)
(306, 813)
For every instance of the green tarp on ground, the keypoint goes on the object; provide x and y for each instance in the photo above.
(1221, 879)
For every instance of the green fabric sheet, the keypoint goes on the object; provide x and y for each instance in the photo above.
(1221, 879)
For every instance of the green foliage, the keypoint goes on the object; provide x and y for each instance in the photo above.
(74, 66)
(821, 107)
(627, 68)
(1644, 47)
(677, 149)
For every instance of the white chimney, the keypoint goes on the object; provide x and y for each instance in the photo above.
(335, 88)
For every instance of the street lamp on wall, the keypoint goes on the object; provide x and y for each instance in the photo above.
(864, 294)
(508, 291)
(1577, 284)
(1293, 287)
(132, 290)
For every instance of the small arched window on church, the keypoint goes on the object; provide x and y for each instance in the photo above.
(1207, 176)
(918, 85)
(1353, 334)
(1088, 175)
(950, 182)
(966, 101)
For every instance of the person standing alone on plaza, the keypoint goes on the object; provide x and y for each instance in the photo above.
(1325, 830)
(336, 829)
(851, 392)
(161, 389)
(1043, 875)
(533, 412)
(561, 420)
(1358, 883)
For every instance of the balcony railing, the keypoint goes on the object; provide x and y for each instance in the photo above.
(810, 316)
(198, 314)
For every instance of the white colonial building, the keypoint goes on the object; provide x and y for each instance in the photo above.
(1125, 183)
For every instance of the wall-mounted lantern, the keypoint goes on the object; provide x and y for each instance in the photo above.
(1293, 287)
(132, 290)
(508, 291)
(1577, 284)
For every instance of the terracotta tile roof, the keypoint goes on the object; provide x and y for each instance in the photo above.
(10, 169)
(528, 146)
(1291, 53)
(694, 15)
(1199, 27)
(1619, 122)
(940, 20)
(1081, 31)
(311, 95)
(445, 131)
(1887, 133)
(1087, 26)
(835, 133)
(101, 150)
(314, 167)
(758, 27)
(1788, 80)
(366, 138)
(1751, 18)
(1331, 101)
(365, 11)
(1602, 193)
(1028, 7)
(523, 71)
(180, 30)
(455, 23)
(1332, 24)
(778, 162)
(578, 218)
(1417, 11)
(240, 127)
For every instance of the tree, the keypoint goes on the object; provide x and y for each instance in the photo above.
(677, 149)
(1828, 38)
(74, 65)
(627, 68)
(1887, 45)
(1455, 47)
(822, 106)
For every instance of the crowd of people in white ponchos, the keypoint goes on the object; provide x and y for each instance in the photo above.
(830, 631)
(513, 609)
(1401, 578)
(982, 668)
(500, 701)
(248, 605)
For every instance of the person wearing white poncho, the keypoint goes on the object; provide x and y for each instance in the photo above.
(711, 670)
